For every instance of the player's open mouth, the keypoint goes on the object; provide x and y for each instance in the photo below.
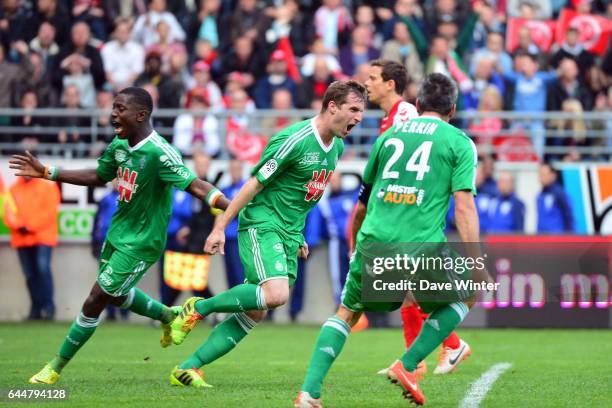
(349, 127)
(117, 126)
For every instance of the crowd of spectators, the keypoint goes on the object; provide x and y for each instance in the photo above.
(259, 54)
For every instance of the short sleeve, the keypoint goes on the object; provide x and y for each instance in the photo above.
(464, 170)
(369, 174)
(280, 152)
(172, 170)
(107, 166)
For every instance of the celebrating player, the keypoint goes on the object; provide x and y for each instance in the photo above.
(432, 160)
(147, 168)
(287, 183)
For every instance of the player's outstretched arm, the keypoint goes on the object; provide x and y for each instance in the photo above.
(29, 166)
(215, 243)
(209, 193)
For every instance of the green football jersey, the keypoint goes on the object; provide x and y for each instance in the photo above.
(145, 175)
(294, 168)
(414, 168)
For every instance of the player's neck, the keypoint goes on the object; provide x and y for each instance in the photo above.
(434, 115)
(323, 127)
(389, 103)
(139, 135)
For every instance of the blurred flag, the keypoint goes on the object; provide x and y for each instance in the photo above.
(594, 31)
(542, 33)
(292, 69)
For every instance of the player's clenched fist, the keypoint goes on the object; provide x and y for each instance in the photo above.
(215, 243)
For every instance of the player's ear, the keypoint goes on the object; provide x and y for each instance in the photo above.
(452, 111)
(417, 104)
(141, 116)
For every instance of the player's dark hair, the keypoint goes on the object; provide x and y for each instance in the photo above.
(140, 97)
(437, 93)
(338, 91)
(392, 70)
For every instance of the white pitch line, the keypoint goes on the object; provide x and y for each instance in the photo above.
(479, 389)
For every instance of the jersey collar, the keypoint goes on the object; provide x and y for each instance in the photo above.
(141, 143)
(326, 149)
(430, 117)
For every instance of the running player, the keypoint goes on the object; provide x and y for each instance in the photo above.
(286, 184)
(146, 168)
(385, 85)
(431, 160)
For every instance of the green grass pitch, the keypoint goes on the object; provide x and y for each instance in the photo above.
(123, 366)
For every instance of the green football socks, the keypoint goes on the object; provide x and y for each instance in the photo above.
(81, 330)
(224, 337)
(140, 303)
(329, 344)
(435, 329)
(240, 298)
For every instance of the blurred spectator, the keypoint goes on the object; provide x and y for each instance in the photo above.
(485, 129)
(94, 14)
(241, 140)
(489, 22)
(489, 185)
(566, 86)
(79, 46)
(484, 77)
(495, 50)
(574, 50)
(530, 9)
(33, 225)
(233, 267)
(506, 211)
(282, 101)
(358, 51)
(69, 124)
(102, 219)
(182, 205)
(482, 201)
(333, 23)
(28, 141)
(603, 103)
(39, 81)
(364, 17)
(401, 49)
(247, 60)
(145, 28)
(197, 132)
(246, 21)
(167, 47)
(123, 59)
(313, 87)
(106, 133)
(201, 79)
(318, 51)
(11, 74)
(335, 210)
(401, 9)
(554, 211)
(78, 75)
(530, 90)
(205, 52)
(569, 131)
(276, 78)
(289, 22)
(526, 45)
(205, 24)
(440, 12)
(44, 44)
(54, 13)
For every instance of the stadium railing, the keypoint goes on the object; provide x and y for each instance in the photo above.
(508, 144)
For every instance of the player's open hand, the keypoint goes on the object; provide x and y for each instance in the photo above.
(215, 243)
(27, 165)
(303, 251)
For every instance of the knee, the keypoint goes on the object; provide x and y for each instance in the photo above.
(257, 315)
(276, 293)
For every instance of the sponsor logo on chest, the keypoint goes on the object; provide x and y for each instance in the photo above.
(316, 185)
(126, 183)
